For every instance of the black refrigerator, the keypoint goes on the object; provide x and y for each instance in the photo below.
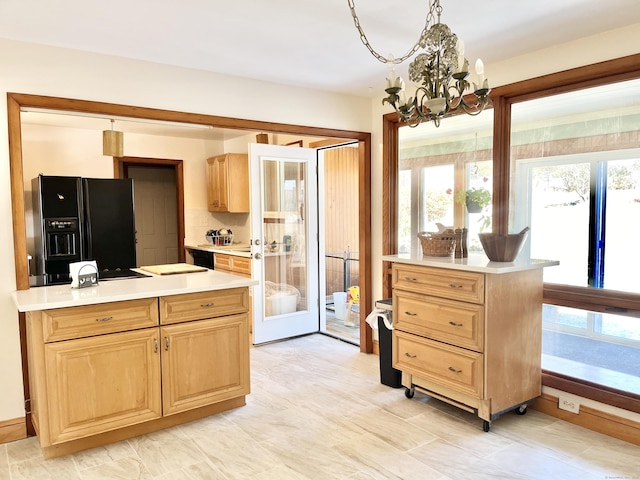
(83, 219)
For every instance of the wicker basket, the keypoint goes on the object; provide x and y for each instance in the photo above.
(437, 244)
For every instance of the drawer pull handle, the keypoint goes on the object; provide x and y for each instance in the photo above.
(166, 344)
(104, 319)
(455, 324)
(451, 369)
(453, 285)
(155, 345)
(411, 314)
(407, 354)
(207, 305)
(411, 279)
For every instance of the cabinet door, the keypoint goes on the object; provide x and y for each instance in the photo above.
(228, 183)
(102, 383)
(204, 362)
(217, 190)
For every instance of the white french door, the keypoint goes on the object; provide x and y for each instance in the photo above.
(284, 228)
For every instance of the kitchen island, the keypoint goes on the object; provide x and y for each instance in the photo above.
(468, 331)
(132, 356)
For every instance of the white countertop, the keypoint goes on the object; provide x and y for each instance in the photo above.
(226, 249)
(58, 296)
(473, 263)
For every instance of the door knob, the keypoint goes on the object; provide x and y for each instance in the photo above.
(257, 241)
(257, 256)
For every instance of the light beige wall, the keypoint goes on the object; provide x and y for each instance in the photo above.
(33, 69)
(78, 152)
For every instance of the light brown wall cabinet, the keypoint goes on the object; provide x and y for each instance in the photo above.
(228, 183)
(100, 373)
(471, 339)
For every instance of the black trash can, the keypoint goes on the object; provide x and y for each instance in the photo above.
(388, 375)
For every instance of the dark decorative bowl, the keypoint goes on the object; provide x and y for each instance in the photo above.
(502, 248)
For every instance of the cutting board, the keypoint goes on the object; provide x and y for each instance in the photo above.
(173, 268)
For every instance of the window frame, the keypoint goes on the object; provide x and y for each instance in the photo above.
(609, 301)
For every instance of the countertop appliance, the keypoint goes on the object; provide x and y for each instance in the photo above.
(83, 219)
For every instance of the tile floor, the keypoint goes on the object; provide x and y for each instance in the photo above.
(348, 331)
(318, 411)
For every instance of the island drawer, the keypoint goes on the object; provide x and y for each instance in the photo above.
(451, 367)
(89, 320)
(196, 306)
(440, 282)
(450, 321)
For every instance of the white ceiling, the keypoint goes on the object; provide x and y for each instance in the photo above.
(306, 43)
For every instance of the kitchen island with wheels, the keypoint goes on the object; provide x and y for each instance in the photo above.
(468, 331)
(133, 356)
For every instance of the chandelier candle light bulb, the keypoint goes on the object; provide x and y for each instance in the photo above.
(480, 71)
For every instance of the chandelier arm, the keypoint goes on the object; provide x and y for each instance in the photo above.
(430, 20)
(476, 109)
(456, 101)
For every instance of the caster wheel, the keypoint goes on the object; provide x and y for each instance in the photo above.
(486, 426)
(409, 392)
(521, 410)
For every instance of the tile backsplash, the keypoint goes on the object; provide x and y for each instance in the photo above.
(198, 221)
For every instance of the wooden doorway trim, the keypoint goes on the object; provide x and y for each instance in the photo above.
(121, 166)
(17, 101)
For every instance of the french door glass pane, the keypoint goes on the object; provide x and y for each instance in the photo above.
(285, 236)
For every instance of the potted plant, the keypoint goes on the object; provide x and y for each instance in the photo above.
(476, 199)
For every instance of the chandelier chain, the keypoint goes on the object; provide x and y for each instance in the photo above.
(433, 7)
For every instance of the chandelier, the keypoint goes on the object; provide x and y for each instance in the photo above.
(441, 74)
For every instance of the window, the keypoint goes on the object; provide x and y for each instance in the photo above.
(436, 166)
(576, 183)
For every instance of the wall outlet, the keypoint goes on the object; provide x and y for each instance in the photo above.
(568, 404)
